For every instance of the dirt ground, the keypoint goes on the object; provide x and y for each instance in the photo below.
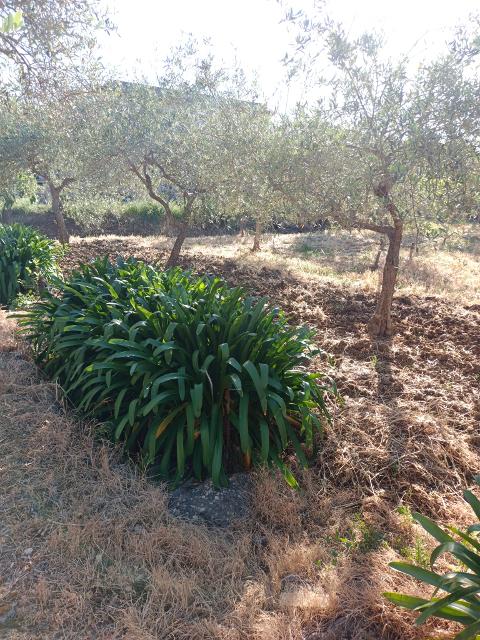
(88, 548)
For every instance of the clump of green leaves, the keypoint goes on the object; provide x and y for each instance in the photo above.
(461, 585)
(192, 375)
(147, 210)
(26, 258)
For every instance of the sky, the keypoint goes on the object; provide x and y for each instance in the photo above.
(251, 32)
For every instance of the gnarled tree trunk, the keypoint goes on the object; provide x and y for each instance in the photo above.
(181, 227)
(381, 323)
(177, 246)
(242, 227)
(258, 235)
(62, 230)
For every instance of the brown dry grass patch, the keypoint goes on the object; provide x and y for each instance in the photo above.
(89, 549)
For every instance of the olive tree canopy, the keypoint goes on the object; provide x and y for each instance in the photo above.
(188, 141)
(41, 38)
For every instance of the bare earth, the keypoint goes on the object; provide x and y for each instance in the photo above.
(88, 548)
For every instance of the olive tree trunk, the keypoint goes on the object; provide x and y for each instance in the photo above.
(381, 323)
(242, 227)
(177, 247)
(181, 227)
(62, 231)
(258, 235)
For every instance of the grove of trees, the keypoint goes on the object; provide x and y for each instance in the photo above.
(385, 146)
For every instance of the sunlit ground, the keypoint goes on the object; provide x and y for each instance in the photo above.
(452, 271)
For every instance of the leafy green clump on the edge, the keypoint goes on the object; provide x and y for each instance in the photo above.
(26, 258)
(192, 375)
(461, 585)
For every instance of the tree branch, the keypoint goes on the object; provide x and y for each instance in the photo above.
(370, 226)
(65, 182)
(168, 176)
(375, 152)
(146, 180)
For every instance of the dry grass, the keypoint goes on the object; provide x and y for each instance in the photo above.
(89, 550)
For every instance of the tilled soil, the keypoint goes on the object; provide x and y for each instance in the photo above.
(413, 394)
(90, 551)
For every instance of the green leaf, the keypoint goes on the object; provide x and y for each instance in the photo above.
(407, 602)
(180, 452)
(470, 559)
(432, 528)
(224, 351)
(414, 604)
(436, 607)
(265, 438)
(197, 399)
(280, 421)
(260, 389)
(237, 383)
(205, 438)
(120, 427)
(217, 460)
(131, 410)
(181, 383)
(235, 364)
(473, 501)
(429, 577)
(160, 398)
(190, 429)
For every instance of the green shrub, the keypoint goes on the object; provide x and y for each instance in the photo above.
(193, 376)
(148, 210)
(462, 585)
(26, 257)
(25, 207)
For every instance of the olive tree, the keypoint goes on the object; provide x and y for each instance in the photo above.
(54, 140)
(38, 38)
(180, 139)
(22, 185)
(448, 115)
(373, 106)
(249, 143)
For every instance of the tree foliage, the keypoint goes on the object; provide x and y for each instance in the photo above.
(40, 39)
